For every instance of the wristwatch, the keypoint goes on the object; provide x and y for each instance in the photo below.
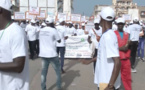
(110, 86)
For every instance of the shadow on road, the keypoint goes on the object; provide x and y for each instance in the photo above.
(70, 64)
(68, 79)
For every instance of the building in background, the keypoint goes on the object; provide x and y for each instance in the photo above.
(123, 8)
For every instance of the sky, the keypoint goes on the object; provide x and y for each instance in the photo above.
(87, 6)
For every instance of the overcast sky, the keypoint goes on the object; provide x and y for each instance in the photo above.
(87, 6)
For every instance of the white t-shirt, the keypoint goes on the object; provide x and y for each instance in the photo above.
(31, 32)
(134, 31)
(23, 26)
(47, 40)
(62, 34)
(13, 44)
(108, 48)
(80, 32)
(37, 33)
(93, 36)
(114, 27)
(70, 31)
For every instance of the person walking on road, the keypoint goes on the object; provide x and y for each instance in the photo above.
(124, 51)
(48, 37)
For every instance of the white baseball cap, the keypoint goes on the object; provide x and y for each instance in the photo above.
(97, 21)
(6, 4)
(12, 17)
(49, 20)
(136, 19)
(83, 24)
(43, 24)
(33, 21)
(120, 20)
(131, 22)
(61, 20)
(107, 14)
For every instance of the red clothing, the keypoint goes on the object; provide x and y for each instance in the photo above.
(125, 62)
(123, 42)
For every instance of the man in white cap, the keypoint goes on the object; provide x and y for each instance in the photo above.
(23, 25)
(31, 31)
(48, 52)
(81, 30)
(70, 29)
(134, 31)
(124, 52)
(61, 46)
(94, 36)
(14, 66)
(108, 63)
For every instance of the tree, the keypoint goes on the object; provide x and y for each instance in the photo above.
(60, 5)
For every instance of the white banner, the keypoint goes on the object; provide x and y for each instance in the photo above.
(19, 16)
(75, 17)
(133, 13)
(89, 26)
(29, 17)
(42, 14)
(62, 15)
(83, 18)
(78, 47)
(127, 17)
(34, 10)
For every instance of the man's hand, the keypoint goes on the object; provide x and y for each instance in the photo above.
(86, 62)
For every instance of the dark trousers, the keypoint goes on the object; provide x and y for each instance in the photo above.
(32, 47)
(61, 50)
(141, 48)
(95, 55)
(37, 47)
(134, 45)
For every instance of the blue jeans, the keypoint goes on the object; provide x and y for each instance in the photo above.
(141, 48)
(56, 65)
(61, 50)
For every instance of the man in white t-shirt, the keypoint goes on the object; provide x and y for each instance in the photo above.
(134, 31)
(114, 27)
(70, 29)
(14, 66)
(94, 36)
(61, 46)
(80, 31)
(31, 31)
(23, 25)
(47, 38)
(107, 72)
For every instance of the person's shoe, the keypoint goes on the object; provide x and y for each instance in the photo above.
(62, 71)
(133, 70)
(138, 58)
(143, 59)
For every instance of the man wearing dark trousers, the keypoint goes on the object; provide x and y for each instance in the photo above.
(31, 31)
(134, 31)
(61, 46)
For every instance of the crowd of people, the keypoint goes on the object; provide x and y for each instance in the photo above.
(114, 55)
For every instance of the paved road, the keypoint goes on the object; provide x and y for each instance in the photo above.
(78, 76)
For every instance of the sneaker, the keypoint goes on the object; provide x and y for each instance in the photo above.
(143, 59)
(62, 71)
(138, 58)
(133, 70)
